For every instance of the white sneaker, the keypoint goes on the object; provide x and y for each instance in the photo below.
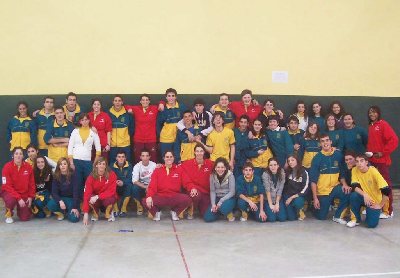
(157, 217)
(189, 217)
(174, 216)
(339, 220)
(383, 216)
(112, 217)
(93, 218)
(392, 214)
(243, 219)
(352, 224)
(364, 212)
(9, 220)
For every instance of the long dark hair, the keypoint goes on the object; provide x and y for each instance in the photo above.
(308, 134)
(376, 109)
(279, 172)
(342, 112)
(326, 121)
(305, 109)
(312, 110)
(41, 175)
(57, 173)
(298, 170)
(262, 130)
(226, 164)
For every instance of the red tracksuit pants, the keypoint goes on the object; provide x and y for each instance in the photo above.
(24, 213)
(178, 203)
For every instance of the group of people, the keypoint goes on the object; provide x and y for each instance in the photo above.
(238, 159)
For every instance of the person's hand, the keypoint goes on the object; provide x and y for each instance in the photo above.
(316, 203)
(260, 151)
(72, 165)
(272, 207)
(212, 109)
(193, 192)
(29, 202)
(21, 203)
(94, 129)
(376, 206)
(280, 113)
(130, 111)
(263, 216)
(253, 206)
(214, 208)
(120, 183)
(34, 114)
(75, 212)
(161, 107)
(159, 165)
(288, 201)
(378, 155)
(197, 138)
(296, 147)
(149, 202)
(93, 199)
(106, 148)
(277, 207)
(62, 205)
(346, 189)
(367, 200)
(255, 102)
(86, 219)
(190, 136)
(250, 135)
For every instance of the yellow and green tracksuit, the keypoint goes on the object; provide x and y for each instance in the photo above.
(75, 119)
(42, 121)
(122, 127)
(21, 132)
(184, 149)
(229, 117)
(55, 130)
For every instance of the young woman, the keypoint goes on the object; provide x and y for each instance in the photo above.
(295, 190)
(310, 145)
(269, 110)
(336, 108)
(80, 147)
(355, 137)
(21, 129)
(382, 141)
(102, 122)
(222, 192)
(43, 180)
(100, 192)
(335, 134)
(165, 190)
(64, 192)
(317, 115)
(18, 189)
(301, 113)
(274, 181)
(259, 151)
(250, 193)
(32, 152)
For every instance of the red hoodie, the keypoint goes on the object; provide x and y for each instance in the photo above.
(104, 188)
(238, 109)
(165, 184)
(197, 177)
(20, 183)
(145, 123)
(381, 138)
(103, 124)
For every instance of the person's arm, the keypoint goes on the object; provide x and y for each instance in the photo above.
(131, 125)
(32, 185)
(213, 195)
(315, 196)
(231, 193)
(55, 191)
(262, 212)
(97, 146)
(136, 175)
(7, 183)
(305, 181)
(160, 123)
(288, 144)
(188, 182)
(207, 146)
(111, 189)
(232, 156)
(33, 132)
(152, 189)
(390, 138)
(9, 133)
(209, 128)
(71, 146)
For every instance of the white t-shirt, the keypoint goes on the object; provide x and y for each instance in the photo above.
(143, 173)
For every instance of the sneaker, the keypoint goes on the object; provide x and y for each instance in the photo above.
(122, 214)
(302, 215)
(94, 218)
(174, 216)
(383, 216)
(352, 224)
(115, 214)
(244, 216)
(9, 220)
(230, 217)
(157, 217)
(392, 214)
(190, 216)
(339, 220)
(139, 212)
(364, 212)
(60, 216)
(112, 217)
(139, 208)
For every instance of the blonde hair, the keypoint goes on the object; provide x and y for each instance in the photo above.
(95, 173)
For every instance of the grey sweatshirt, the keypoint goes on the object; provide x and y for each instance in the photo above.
(270, 187)
(224, 190)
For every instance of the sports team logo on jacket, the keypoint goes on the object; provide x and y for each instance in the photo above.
(255, 189)
(278, 136)
(336, 163)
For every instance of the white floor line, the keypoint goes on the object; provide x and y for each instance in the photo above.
(353, 275)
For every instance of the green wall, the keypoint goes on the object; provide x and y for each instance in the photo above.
(356, 105)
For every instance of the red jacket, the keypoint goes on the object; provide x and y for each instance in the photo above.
(195, 177)
(104, 188)
(238, 109)
(165, 184)
(103, 125)
(145, 123)
(20, 183)
(381, 138)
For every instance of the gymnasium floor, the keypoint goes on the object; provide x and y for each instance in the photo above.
(50, 248)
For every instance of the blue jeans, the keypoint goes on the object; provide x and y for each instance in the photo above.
(326, 200)
(83, 168)
(226, 208)
(280, 215)
(54, 206)
(293, 208)
(372, 217)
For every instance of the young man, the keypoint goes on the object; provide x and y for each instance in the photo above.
(44, 117)
(327, 168)
(221, 141)
(141, 177)
(57, 135)
(223, 106)
(295, 134)
(184, 146)
(196, 180)
(370, 190)
(123, 169)
(250, 192)
(279, 140)
(145, 137)
(167, 120)
(241, 134)
(122, 129)
(71, 108)
(18, 188)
